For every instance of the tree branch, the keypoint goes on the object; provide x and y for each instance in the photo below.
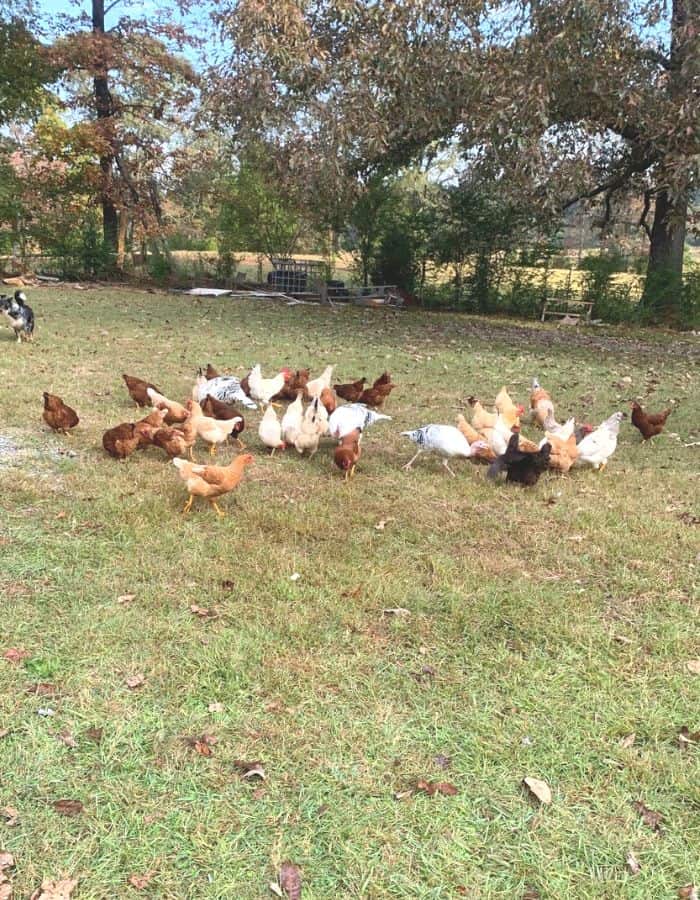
(642, 223)
(611, 184)
(656, 56)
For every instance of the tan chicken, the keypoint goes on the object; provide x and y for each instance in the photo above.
(211, 482)
(563, 454)
(213, 431)
(175, 412)
(482, 420)
(510, 412)
(329, 400)
(541, 406)
(313, 425)
(485, 454)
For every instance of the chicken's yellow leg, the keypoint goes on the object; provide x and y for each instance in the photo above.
(218, 509)
(188, 506)
(241, 445)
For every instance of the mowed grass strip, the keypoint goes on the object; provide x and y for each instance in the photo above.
(544, 626)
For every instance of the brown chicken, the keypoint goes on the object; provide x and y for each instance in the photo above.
(138, 390)
(210, 372)
(216, 409)
(174, 412)
(648, 424)
(329, 400)
(377, 394)
(146, 428)
(296, 382)
(351, 391)
(211, 482)
(347, 453)
(57, 415)
(177, 441)
(121, 441)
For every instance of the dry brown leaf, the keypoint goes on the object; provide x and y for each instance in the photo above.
(382, 523)
(632, 864)
(688, 892)
(65, 737)
(202, 612)
(253, 769)
(55, 890)
(686, 738)
(94, 735)
(531, 893)
(135, 681)
(628, 740)
(126, 598)
(68, 807)
(7, 861)
(539, 789)
(140, 881)
(202, 744)
(649, 817)
(4, 732)
(693, 666)
(15, 655)
(43, 689)
(436, 787)
(10, 815)
(290, 880)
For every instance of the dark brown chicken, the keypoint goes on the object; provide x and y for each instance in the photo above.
(649, 424)
(172, 441)
(137, 390)
(350, 391)
(57, 415)
(210, 372)
(377, 394)
(329, 400)
(296, 382)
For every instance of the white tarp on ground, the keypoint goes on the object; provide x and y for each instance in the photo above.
(208, 292)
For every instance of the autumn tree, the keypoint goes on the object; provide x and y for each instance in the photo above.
(565, 101)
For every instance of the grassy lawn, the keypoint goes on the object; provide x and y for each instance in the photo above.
(544, 626)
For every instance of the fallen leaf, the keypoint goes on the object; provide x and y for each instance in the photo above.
(632, 864)
(259, 793)
(216, 707)
(126, 598)
(540, 789)
(43, 689)
(7, 861)
(15, 655)
(202, 744)
(649, 817)
(276, 889)
(290, 880)
(4, 732)
(693, 666)
(628, 740)
(531, 893)
(228, 585)
(382, 523)
(55, 890)
(253, 769)
(202, 612)
(135, 681)
(94, 734)
(436, 787)
(10, 815)
(396, 611)
(68, 807)
(45, 711)
(442, 761)
(65, 737)
(686, 738)
(403, 795)
(621, 639)
(140, 881)
(61, 515)
(688, 892)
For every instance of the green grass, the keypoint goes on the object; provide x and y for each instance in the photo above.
(557, 621)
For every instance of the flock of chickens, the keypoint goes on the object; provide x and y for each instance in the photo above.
(211, 414)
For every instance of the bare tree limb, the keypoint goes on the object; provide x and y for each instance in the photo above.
(633, 167)
(656, 56)
(642, 223)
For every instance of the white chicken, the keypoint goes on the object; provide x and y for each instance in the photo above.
(596, 448)
(316, 385)
(563, 432)
(351, 416)
(313, 425)
(264, 389)
(291, 420)
(270, 430)
(445, 440)
(499, 435)
(226, 388)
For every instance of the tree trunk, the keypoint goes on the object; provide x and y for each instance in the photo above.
(121, 239)
(105, 109)
(661, 299)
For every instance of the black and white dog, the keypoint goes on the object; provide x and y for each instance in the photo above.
(19, 315)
